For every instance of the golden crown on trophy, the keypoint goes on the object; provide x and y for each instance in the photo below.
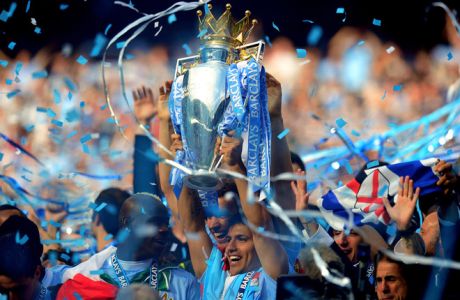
(225, 30)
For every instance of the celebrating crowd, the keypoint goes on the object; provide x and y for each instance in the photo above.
(144, 239)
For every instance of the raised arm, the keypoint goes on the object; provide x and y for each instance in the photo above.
(281, 158)
(193, 221)
(145, 109)
(164, 138)
(271, 254)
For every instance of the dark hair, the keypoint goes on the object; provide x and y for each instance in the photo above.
(108, 216)
(143, 207)
(10, 207)
(415, 275)
(295, 159)
(20, 249)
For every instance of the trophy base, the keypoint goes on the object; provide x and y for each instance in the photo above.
(207, 181)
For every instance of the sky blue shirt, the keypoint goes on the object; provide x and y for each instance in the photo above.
(213, 282)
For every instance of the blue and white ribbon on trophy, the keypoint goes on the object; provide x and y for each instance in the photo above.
(250, 119)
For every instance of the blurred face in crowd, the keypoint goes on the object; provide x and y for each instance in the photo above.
(430, 233)
(20, 289)
(240, 250)
(155, 245)
(389, 282)
(348, 243)
(219, 225)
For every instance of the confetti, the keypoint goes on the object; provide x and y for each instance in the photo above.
(355, 133)
(372, 164)
(33, 21)
(65, 256)
(3, 63)
(41, 109)
(69, 83)
(173, 247)
(4, 16)
(1, 156)
(18, 68)
(13, 93)
(77, 296)
(187, 49)
(202, 33)
(267, 39)
(50, 113)
(276, 27)
(390, 49)
(8, 81)
(82, 60)
(301, 53)
(99, 43)
(38, 30)
(449, 56)
(11, 45)
(308, 21)
(40, 74)
(57, 96)
(85, 148)
(340, 10)
(314, 35)
(120, 45)
(347, 166)
(57, 123)
(384, 94)
(108, 237)
(172, 18)
(100, 207)
(63, 6)
(82, 104)
(28, 6)
(122, 235)
(376, 22)
(85, 138)
(107, 29)
(340, 122)
(283, 133)
(397, 88)
(21, 240)
(73, 133)
(29, 128)
(361, 42)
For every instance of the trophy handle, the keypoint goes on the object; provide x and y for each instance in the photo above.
(255, 50)
(185, 63)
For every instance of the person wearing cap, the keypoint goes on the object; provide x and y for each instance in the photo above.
(139, 257)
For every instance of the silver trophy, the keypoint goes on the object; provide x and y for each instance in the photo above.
(205, 91)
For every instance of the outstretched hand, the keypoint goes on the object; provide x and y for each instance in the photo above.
(299, 188)
(403, 210)
(144, 105)
(163, 110)
(448, 178)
